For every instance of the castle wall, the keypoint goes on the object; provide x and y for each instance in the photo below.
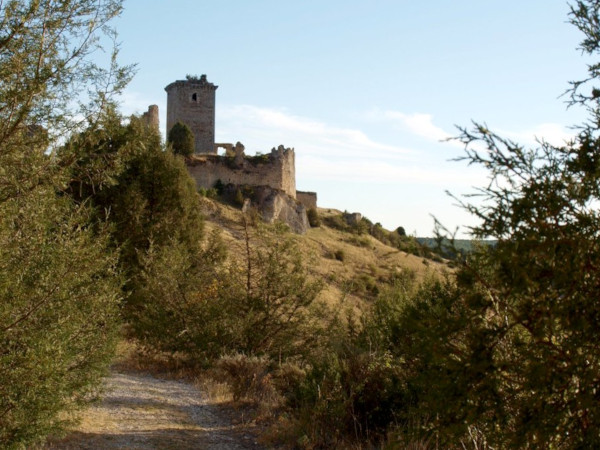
(151, 117)
(308, 199)
(276, 170)
(192, 102)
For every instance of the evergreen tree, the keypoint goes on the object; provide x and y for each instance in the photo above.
(59, 290)
(143, 191)
(181, 139)
(511, 358)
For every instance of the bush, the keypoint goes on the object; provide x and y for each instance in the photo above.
(239, 197)
(313, 217)
(146, 193)
(340, 255)
(350, 396)
(262, 305)
(181, 139)
(59, 298)
(59, 288)
(249, 377)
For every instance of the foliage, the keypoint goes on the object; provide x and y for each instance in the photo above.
(258, 159)
(180, 300)
(181, 139)
(503, 353)
(144, 192)
(250, 377)
(58, 313)
(360, 386)
(519, 342)
(340, 255)
(59, 290)
(239, 197)
(395, 239)
(261, 305)
(46, 66)
(313, 217)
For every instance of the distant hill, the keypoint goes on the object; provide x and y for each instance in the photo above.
(464, 246)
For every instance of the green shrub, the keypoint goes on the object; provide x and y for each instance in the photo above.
(59, 285)
(206, 307)
(181, 139)
(59, 298)
(336, 222)
(239, 197)
(219, 186)
(350, 397)
(313, 217)
(249, 377)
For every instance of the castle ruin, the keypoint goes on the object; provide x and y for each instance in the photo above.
(192, 102)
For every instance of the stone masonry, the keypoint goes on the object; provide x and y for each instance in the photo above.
(151, 117)
(192, 102)
(276, 170)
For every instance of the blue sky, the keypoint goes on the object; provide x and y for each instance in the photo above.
(365, 91)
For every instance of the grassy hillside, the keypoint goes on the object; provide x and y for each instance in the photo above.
(354, 267)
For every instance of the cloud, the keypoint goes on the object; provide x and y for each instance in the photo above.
(417, 123)
(326, 152)
(384, 172)
(553, 133)
(260, 129)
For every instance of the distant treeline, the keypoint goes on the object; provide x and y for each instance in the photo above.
(449, 249)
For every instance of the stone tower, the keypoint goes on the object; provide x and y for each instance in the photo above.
(192, 102)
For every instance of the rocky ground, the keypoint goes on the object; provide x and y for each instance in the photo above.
(141, 411)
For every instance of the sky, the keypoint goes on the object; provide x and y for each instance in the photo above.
(366, 92)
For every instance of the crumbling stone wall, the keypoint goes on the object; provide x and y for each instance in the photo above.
(151, 116)
(276, 170)
(192, 102)
(308, 199)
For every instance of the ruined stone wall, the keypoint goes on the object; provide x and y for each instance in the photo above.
(192, 102)
(308, 199)
(276, 170)
(151, 117)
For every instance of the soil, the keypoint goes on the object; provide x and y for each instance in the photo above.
(141, 411)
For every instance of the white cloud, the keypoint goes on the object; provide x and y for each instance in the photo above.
(260, 129)
(372, 171)
(326, 152)
(418, 123)
(553, 133)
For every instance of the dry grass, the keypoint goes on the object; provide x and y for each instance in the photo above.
(363, 256)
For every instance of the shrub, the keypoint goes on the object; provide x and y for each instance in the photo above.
(249, 377)
(340, 255)
(350, 396)
(59, 296)
(206, 307)
(181, 139)
(313, 217)
(239, 197)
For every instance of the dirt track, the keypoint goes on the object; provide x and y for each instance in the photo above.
(140, 411)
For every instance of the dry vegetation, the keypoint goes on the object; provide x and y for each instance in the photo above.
(352, 267)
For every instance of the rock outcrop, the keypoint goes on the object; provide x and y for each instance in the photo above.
(276, 206)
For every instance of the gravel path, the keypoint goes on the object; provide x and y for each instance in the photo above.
(144, 412)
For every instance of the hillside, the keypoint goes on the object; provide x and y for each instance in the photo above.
(354, 267)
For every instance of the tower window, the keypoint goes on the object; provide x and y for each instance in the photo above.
(194, 97)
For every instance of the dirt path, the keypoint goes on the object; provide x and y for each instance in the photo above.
(140, 411)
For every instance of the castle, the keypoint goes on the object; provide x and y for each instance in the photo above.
(192, 102)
